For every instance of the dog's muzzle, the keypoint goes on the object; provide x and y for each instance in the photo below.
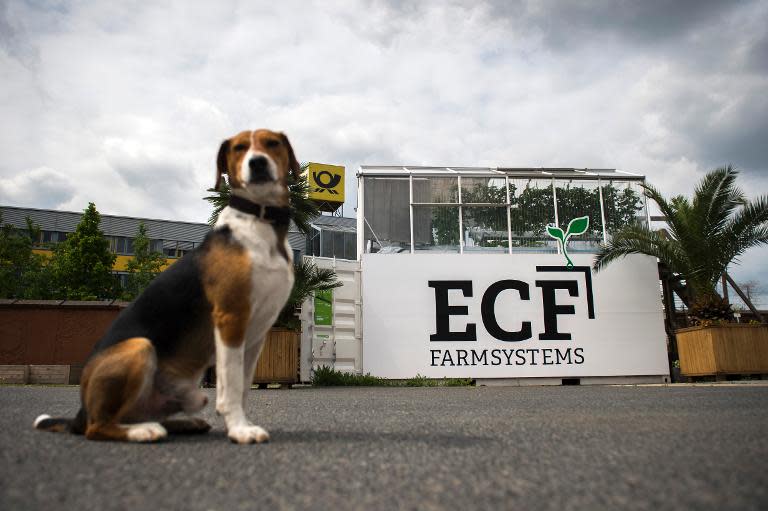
(259, 169)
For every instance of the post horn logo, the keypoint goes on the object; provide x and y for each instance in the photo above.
(575, 227)
(326, 181)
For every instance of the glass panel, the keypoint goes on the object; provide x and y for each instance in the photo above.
(326, 243)
(169, 248)
(436, 228)
(485, 228)
(156, 245)
(129, 246)
(387, 215)
(184, 247)
(577, 198)
(338, 244)
(313, 242)
(484, 190)
(532, 209)
(623, 204)
(441, 190)
(350, 245)
(316, 243)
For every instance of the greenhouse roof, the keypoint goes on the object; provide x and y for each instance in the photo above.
(526, 172)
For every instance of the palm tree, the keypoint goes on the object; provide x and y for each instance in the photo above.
(703, 237)
(308, 278)
(303, 210)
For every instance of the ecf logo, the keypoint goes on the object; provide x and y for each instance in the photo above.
(551, 309)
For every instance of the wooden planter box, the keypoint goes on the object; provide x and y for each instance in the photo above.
(723, 349)
(279, 360)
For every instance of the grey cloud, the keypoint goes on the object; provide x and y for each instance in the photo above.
(39, 188)
(647, 22)
(757, 55)
(14, 40)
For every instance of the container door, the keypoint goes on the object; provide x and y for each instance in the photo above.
(331, 322)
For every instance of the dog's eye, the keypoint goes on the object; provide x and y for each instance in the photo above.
(272, 143)
(240, 147)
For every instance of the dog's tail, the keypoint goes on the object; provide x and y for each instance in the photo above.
(60, 424)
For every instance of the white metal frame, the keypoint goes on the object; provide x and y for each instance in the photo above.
(531, 173)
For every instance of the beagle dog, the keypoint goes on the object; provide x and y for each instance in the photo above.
(214, 305)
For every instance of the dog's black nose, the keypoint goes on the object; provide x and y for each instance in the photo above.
(259, 167)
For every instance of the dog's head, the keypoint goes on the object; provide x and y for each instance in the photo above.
(259, 164)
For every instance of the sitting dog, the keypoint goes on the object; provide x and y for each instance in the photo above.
(215, 304)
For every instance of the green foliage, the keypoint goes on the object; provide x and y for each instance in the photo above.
(710, 309)
(218, 199)
(303, 210)
(143, 267)
(445, 225)
(325, 376)
(21, 270)
(81, 267)
(308, 278)
(703, 237)
(420, 381)
(456, 382)
(532, 210)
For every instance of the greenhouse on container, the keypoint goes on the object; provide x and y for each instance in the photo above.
(491, 210)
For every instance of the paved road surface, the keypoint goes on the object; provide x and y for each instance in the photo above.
(412, 448)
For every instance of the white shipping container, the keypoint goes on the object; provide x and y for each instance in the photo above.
(338, 345)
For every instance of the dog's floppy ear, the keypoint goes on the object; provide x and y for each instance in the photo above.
(293, 163)
(221, 163)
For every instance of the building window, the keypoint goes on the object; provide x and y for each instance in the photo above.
(173, 248)
(120, 245)
(329, 243)
(387, 211)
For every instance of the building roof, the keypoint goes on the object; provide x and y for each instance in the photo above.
(335, 223)
(111, 225)
(514, 172)
(66, 221)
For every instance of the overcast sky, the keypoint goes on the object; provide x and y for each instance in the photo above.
(125, 103)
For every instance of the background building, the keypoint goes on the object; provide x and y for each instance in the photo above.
(331, 237)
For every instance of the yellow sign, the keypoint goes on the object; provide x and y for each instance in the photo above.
(326, 182)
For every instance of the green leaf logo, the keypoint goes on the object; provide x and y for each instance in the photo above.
(575, 227)
(578, 226)
(556, 232)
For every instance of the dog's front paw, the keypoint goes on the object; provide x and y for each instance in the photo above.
(146, 432)
(248, 435)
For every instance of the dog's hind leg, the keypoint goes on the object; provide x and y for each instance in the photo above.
(114, 385)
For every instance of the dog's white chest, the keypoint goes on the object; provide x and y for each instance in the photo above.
(271, 272)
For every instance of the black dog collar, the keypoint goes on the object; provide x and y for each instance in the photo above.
(277, 216)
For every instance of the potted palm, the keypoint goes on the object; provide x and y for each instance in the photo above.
(704, 235)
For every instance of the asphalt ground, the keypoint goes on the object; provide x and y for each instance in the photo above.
(675, 447)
